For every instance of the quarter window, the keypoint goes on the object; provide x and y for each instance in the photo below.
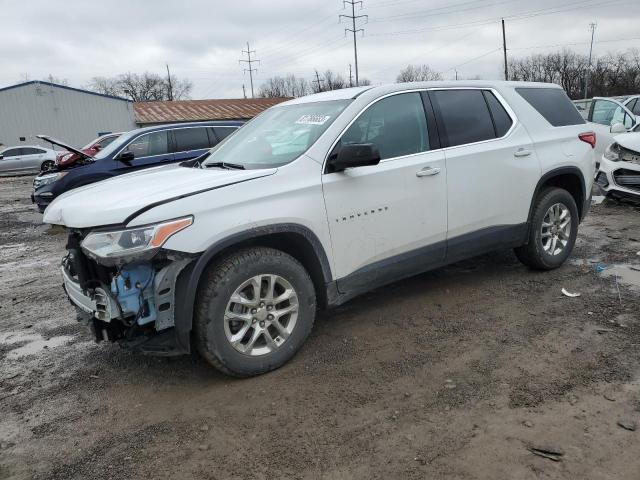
(191, 139)
(150, 144)
(501, 119)
(464, 116)
(397, 125)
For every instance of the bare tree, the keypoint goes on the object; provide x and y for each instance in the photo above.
(417, 73)
(57, 80)
(333, 81)
(142, 87)
(289, 86)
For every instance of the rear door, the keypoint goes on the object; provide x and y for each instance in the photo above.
(492, 170)
(149, 150)
(32, 158)
(603, 114)
(191, 142)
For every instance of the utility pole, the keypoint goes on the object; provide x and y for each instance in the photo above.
(456, 73)
(244, 91)
(318, 82)
(504, 48)
(350, 77)
(592, 26)
(353, 17)
(170, 86)
(249, 63)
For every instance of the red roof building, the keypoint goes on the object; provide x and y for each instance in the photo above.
(151, 113)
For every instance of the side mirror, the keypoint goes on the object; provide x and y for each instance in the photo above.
(354, 155)
(126, 157)
(618, 128)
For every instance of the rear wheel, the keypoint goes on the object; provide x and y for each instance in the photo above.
(47, 165)
(255, 308)
(552, 231)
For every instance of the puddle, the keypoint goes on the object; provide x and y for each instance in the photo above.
(33, 343)
(626, 274)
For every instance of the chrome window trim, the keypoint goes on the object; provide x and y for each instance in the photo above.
(499, 97)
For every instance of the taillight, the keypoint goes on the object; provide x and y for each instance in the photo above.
(588, 137)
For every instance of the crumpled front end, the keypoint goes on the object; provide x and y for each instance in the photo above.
(131, 302)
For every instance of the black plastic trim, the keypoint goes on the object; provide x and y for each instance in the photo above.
(555, 173)
(424, 259)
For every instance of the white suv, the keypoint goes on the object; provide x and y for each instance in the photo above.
(316, 201)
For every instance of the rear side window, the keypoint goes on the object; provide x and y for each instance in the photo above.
(553, 104)
(30, 151)
(464, 116)
(191, 139)
(223, 132)
(501, 119)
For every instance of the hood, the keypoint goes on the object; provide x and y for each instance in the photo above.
(630, 141)
(53, 141)
(115, 200)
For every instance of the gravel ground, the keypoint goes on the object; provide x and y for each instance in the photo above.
(479, 370)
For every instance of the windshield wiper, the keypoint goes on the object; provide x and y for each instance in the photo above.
(226, 165)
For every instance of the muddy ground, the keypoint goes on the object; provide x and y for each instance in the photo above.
(460, 373)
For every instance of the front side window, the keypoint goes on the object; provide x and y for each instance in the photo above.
(150, 144)
(277, 136)
(11, 152)
(464, 116)
(191, 139)
(396, 125)
(603, 112)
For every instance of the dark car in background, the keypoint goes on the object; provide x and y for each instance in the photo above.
(66, 159)
(134, 150)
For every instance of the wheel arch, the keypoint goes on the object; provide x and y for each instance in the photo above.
(569, 178)
(293, 239)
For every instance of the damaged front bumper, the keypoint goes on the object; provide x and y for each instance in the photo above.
(134, 304)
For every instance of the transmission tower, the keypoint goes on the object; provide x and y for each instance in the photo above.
(353, 17)
(249, 61)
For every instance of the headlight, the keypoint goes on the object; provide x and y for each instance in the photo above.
(42, 180)
(139, 240)
(612, 152)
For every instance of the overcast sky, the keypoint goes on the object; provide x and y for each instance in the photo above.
(202, 39)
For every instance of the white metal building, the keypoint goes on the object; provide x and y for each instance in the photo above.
(70, 114)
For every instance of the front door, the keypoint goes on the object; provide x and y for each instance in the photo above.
(149, 149)
(388, 220)
(604, 114)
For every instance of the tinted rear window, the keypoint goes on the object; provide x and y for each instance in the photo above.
(553, 104)
(464, 116)
(194, 138)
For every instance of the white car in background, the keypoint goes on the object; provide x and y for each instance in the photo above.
(25, 159)
(619, 173)
(610, 117)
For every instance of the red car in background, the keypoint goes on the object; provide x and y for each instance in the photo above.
(66, 159)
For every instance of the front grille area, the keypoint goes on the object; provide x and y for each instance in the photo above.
(627, 178)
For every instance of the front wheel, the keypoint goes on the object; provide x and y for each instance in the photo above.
(47, 165)
(552, 231)
(255, 308)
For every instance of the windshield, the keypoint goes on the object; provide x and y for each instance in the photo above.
(277, 136)
(113, 146)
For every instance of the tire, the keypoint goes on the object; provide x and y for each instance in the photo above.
(215, 326)
(47, 165)
(533, 253)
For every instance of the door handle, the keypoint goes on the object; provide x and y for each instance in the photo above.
(428, 172)
(522, 153)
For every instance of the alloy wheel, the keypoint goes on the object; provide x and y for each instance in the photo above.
(261, 314)
(556, 229)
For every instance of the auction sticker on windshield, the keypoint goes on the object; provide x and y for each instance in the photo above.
(312, 119)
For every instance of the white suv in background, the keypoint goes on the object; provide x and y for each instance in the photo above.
(320, 199)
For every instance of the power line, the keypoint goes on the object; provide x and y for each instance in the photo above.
(353, 17)
(249, 62)
(592, 26)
